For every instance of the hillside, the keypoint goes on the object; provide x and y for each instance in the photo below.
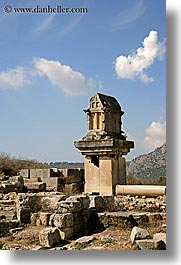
(151, 165)
(10, 165)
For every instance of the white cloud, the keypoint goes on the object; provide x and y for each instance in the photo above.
(68, 80)
(134, 65)
(155, 135)
(13, 78)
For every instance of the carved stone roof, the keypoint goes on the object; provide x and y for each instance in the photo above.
(109, 102)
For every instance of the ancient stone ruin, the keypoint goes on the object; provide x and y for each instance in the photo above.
(67, 180)
(104, 146)
(65, 209)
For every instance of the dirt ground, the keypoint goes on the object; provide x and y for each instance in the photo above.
(113, 238)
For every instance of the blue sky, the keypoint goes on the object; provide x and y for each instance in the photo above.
(51, 64)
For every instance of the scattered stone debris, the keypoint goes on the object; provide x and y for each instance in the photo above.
(54, 220)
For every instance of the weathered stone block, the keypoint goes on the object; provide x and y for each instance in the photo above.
(146, 244)
(84, 200)
(49, 236)
(67, 233)
(40, 173)
(25, 173)
(96, 201)
(31, 201)
(55, 183)
(34, 203)
(138, 233)
(68, 207)
(63, 220)
(44, 218)
(119, 219)
(36, 186)
(50, 203)
(23, 215)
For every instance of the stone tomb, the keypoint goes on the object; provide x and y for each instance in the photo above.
(104, 146)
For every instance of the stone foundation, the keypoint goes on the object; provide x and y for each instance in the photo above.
(78, 215)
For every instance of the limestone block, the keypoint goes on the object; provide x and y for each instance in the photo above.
(49, 236)
(44, 218)
(67, 233)
(40, 173)
(25, 173)
(138, 233)
(83, 199)
(46, 203)
(34, 203)
(36, 187)
(31, 201)
(120, 219)
(96, 201)
(146, 244)
(50, 203)
(160, 236)
(62, 220)
(69, 207)
(23, 215)
(151, 244)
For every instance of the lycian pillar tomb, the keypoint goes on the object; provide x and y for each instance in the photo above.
(104, 146)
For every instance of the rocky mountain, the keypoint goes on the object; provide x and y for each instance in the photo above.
(151, 165)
